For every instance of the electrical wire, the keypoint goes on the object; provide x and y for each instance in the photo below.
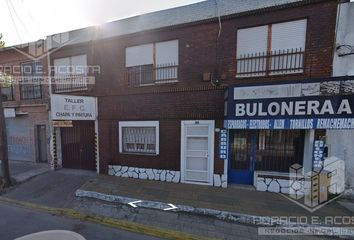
(32, 18)
(13, 20)
(19, 19)
(217, 13)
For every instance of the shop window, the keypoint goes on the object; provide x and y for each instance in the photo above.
(152, 63)
(277, 150)
(139, 137)
(272, 150)
(272, 49)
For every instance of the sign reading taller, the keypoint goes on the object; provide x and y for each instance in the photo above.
(67, 107)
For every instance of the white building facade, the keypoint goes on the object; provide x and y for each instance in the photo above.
(340, 142)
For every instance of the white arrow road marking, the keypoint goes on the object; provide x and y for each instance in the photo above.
(171, 207)
(133, 203)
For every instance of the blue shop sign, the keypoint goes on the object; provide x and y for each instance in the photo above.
(312, 104)
(318, 154)
(223, 144)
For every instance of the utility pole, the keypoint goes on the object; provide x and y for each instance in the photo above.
(4, 156)
(3, 147)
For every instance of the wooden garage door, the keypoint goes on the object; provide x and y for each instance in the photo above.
(78, 145)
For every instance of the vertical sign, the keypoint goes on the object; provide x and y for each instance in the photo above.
(223, 144)
(317, 157)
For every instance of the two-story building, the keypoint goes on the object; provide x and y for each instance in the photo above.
(211, 93)
(25, 96)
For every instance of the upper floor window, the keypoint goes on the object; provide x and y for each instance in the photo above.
(272, 49)
(70, 74)
(152, 63)
(30, 86)
(6, 87)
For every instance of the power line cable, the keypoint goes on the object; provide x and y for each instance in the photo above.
(20, 20)
(13, 20)
(32, 18)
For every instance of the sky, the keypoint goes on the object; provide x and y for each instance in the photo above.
(24, 21)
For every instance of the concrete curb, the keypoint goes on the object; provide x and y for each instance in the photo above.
(23, 177)
(258, 221)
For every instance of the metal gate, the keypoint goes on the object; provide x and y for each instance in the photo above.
(263, 150)
(78, 145)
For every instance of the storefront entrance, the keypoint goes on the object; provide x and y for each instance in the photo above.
(263, 150)
(78, 145)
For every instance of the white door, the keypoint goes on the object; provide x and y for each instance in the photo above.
(197, 151)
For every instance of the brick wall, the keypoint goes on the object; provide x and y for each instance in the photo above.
(191, 98)
(22, 135)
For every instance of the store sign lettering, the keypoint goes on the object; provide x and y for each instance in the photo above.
(65, 107)
(326, 103)
(291, 108)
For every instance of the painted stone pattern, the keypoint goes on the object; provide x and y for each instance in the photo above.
(157, 174)
(268, 184)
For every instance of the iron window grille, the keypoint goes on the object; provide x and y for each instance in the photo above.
(149, 75)
(279, 62)
(70, 83)
(7, 93)
(139, 140)
(30, 85)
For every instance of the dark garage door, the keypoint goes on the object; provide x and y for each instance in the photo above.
(78, 145)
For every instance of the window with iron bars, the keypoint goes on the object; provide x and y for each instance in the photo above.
(273, 49)
(285, 61)
(6, 83)
(30, 85)
(152, 63)
(71, 74)
(148, 74)
(141, 137)
(7, 93)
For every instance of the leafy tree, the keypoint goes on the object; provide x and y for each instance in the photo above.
(2, 43)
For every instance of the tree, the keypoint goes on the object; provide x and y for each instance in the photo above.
(2, 43)
(3, 137)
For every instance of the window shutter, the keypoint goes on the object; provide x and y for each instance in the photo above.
(252, 40)
(79, 64)
(167, 53)
(289, 35)
(62, 66)
(166, 60)
(139, 55)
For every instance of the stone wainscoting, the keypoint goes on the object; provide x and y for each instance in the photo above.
(267, 182)
(157, 174)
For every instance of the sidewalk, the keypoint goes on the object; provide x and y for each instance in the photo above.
(22, 171)
(235, 200)
(56, 189)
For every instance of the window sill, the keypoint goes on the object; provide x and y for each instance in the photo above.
(160, 82)
(71, 90)
(269, 75)
(139, 154)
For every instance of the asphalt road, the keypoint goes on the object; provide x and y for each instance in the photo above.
(16, 222)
